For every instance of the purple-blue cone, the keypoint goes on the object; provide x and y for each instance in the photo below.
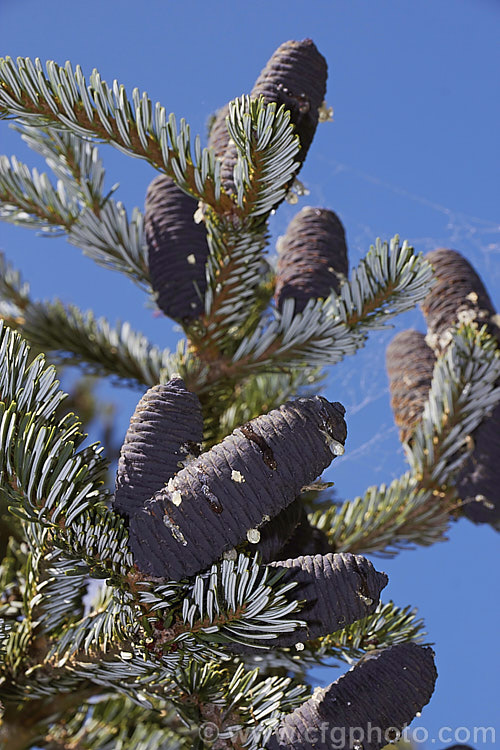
(295, 76)
(165, 430)
(177, 250)
(224, 495)
(337, 590)
(368, 705)
(312, 257)
(459, 294)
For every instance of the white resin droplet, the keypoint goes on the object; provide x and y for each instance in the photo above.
(325, 113)
(237, 476)
(253, 536)
(336, 448)
(191, 259)
(365, 599)
(292, 198)
(176, 497)
(299, 646)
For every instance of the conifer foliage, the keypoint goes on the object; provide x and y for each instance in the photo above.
(185, 608)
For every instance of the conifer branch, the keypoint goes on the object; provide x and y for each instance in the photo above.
(48, 477)
(60, 97)
(115, 720)
(14, 292)
(234, 271)
(78, 338)
(261, 392)
(41, 472)
(28, 198)
(57, 583)
(387, 626)
(267, 146)
(77, 207)
(236, 701)
(240, 601)
(415, 508)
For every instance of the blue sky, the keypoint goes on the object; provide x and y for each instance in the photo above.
(414, 150)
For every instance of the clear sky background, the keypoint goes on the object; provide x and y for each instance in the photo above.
(414, 149)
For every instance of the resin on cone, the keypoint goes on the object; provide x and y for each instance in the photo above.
(222, 498)
(458, 295)
(177, 250)
(336, 589)
(380, 694)
(166, 429)
(312, 257)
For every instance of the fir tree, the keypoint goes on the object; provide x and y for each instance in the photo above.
(225, 569)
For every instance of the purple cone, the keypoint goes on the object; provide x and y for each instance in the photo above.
(224, 495)
(337, 590)
(177, 250)
(368, 705)
(165, 429)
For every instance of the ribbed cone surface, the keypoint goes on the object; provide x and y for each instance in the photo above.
(177, 250)
(275, 534)
(338, 589)
(478, 482)
(312, 257)
(305, 540)
(410, 364)
(255, 472)
(381, 693)
(294, 76)
(166, 427)
(458, 294)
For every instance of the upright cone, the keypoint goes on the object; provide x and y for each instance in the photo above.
(459, 295)
(410, 364)
(177, 250)
(368, 706)
(295, 76)
(165, 429)
(312, 257)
